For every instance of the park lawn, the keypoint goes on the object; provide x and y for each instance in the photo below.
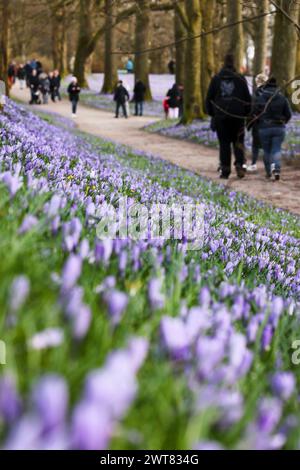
(167, 348)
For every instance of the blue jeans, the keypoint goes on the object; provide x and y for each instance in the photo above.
(271, 140)
(139, 108)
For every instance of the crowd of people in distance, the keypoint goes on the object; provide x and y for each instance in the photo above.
(42, 85)
(232, 109)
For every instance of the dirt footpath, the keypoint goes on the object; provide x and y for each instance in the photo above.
(202, 160)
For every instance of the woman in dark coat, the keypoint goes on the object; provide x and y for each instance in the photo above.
(139, 97)
(74, 90)
(173, 96)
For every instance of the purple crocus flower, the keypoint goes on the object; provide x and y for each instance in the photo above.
(12, 182)
(50, 401)
(175, 337)
(10, 403)
(28, 223)
(71, 271)
(269, 414)
(19, 292)
(116, 303)
(91, 427)
(267, 336)
(156, 298)
(283, 384)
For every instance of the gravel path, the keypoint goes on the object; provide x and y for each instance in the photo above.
(202, 160)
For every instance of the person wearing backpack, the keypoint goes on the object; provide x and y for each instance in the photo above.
(228, 102)
(271, 112)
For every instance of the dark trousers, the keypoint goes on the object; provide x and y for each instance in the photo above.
(55, 94)
(230, 132)
(139, 108)
(122, 105)
(74, 106)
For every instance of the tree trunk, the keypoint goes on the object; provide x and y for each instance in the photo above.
(180, 33)
(193, 103)
(4, 6)
(208, 59)
(260, 38)
(285, 43)
(297, 71)
(142, 38)
(235, 34)
(84, 37)
(110, 66)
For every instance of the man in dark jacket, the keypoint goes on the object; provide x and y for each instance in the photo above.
(228, 102)
(271, 113)
(28, 71)
(139, 97)
(121, 96)
(74, 91)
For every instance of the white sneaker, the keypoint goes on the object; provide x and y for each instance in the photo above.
(74, 116)
(252, 168)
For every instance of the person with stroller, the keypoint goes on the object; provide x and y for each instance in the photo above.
(260, 81)
(74, 91)
(44, 86)
(34, 88)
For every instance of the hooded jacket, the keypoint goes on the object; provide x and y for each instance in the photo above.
(228, 96)
(271, 108)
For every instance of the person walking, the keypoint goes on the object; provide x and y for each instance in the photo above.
(44, 86)
(260, 81)
(139, 97)
(228, 102)
(21, 74)
(171, 67)
(120, 97)
(28, 73)
(34, 88)
(55, 81)
(130, 65)
(74, 91)
(272, 112)
(173, 96)
(11, 73)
